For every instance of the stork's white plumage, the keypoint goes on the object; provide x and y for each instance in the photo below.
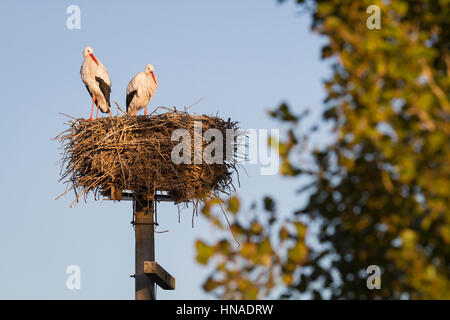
(141, 89)
(97, 81)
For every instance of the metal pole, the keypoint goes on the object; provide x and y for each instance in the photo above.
(145, 248)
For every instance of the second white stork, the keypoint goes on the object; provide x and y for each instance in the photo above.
(141, 89)
(97, 81)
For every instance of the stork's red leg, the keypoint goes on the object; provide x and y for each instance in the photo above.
(145, 112)
(96, 116)
(92, 108)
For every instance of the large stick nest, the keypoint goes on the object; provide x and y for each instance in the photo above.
(133, 153)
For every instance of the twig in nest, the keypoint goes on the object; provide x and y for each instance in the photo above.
(118, 107)
(195, 103)
(229, 225)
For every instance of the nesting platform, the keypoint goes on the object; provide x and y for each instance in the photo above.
(120, 156)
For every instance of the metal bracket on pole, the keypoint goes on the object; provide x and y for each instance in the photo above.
(119, 195)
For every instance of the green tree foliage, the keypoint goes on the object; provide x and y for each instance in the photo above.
(379, 195)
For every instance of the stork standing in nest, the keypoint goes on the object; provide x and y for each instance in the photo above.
(97, 81)
(141, 89)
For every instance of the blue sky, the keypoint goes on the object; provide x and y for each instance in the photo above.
(241, 57)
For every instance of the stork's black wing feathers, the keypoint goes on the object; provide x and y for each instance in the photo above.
(130, 97)
(88, 90)
(106, 90)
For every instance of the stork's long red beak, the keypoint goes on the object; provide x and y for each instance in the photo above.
(153, 76)
(93, 58)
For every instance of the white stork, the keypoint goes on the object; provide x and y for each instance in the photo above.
(97, 81)
(141, 89)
